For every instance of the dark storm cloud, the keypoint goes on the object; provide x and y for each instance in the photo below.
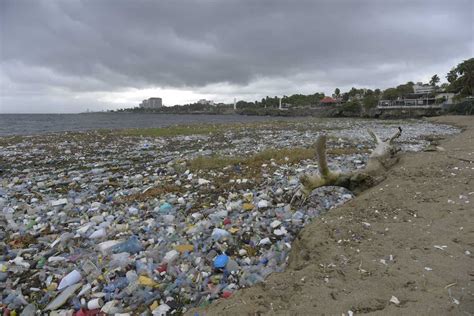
(86, 46)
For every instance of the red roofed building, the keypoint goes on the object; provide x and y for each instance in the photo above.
(327, 101)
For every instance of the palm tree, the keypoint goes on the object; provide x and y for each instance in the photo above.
(452, 75)
(466, 72)
(461, 78)
(434, 80)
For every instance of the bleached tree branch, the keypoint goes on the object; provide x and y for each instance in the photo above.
(380, 160)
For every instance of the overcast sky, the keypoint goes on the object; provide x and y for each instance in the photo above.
(67, 56)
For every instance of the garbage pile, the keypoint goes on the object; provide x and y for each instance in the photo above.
(98, 223)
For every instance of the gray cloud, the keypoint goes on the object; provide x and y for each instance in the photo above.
(57, 49)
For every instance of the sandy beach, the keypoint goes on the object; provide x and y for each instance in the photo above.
(170, 158)
(403, 247)
(142, 217)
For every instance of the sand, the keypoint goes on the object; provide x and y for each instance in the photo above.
(411, 238)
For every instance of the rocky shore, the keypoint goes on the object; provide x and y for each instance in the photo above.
(160, 221)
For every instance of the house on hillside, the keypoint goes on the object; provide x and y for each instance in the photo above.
(328, 101)
(445, 98)
(412, 100)
(423, 96)
(421, 88)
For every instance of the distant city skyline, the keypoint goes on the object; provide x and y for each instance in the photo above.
(68, 56)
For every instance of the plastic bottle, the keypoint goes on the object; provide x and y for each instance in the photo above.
(131, 245)
(119, 260)
(71, 278)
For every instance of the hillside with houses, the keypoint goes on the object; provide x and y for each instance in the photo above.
(453, 96)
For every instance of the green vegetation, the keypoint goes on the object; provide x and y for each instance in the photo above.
(192, 108)
(213, 162)
(281, 155)
(370, 101)
(465, 107)
(434, 80)
(461, 79)
(176, 130)
(295, 100)
(353, 106)
(398, 92)
(302, 100)
(355, 102)
(207, 129)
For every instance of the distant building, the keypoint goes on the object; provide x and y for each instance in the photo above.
(328, 101)
(151, 103)
(421, 88)
(445, 97)
(423, 96)
(412, 100)
(206, 102)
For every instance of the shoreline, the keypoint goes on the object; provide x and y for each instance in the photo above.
(410, 237)
(44, 124)
(232, 123)
(186, 182)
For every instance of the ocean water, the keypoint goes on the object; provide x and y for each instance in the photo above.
(33, 124)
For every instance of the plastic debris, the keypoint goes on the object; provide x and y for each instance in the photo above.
(275, 224)
(262, 204)
(71, 278)
(132, 246)
(95, 223)
(100, 233)
(161, 310)
(219, 234)
(394, 300)
(171, 256)
(220, 261)
(61, 299)
(95, 303)
(59, 202)
(265, 241)
(185, 248)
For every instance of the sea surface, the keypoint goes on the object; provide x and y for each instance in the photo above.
(33, 124)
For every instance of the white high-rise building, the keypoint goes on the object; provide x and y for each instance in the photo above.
(151, 103)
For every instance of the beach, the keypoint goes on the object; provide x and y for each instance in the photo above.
(403, 247)
(178, 217)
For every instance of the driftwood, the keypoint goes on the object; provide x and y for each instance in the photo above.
(381, 159)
